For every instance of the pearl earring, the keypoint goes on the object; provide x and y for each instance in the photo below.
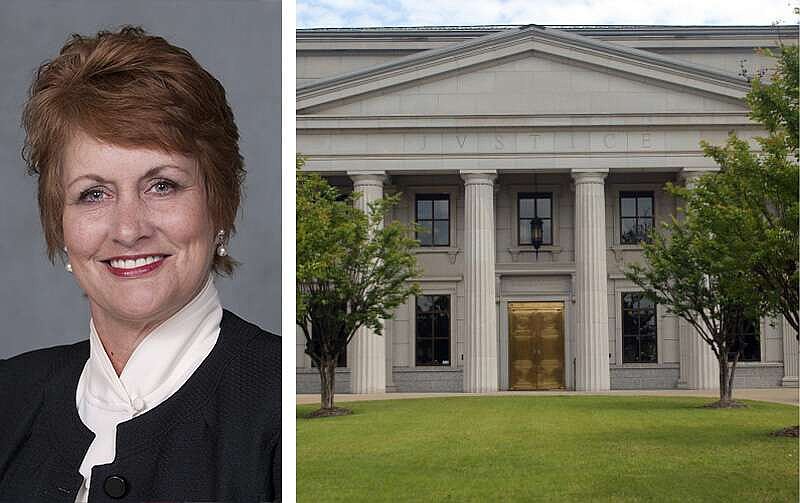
(222, 251)
(67, 266)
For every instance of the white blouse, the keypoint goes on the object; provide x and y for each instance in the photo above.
(161, 363)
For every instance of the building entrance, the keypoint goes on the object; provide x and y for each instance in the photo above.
(536, 345)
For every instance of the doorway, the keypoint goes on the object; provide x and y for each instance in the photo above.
(536, 345)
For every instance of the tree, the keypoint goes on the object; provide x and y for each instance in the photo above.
(752, 203)
(714, 297)
(352, 271)
(734, 256)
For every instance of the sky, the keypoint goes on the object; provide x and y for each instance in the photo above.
(365, 13)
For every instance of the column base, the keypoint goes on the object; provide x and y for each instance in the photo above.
(368, 391)
(684, 385)
(790, 382)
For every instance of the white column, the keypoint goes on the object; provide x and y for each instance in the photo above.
(699, 367)
(480, 358)
(388, 335)
(368, 353)
(591, 341)
(790, 355)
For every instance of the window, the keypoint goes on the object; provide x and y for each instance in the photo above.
(639, 339)
(433, 216)
(748, 342)
(433, 330)
(529, 206)
(635, 216)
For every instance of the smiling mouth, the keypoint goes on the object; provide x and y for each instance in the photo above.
(130, 267)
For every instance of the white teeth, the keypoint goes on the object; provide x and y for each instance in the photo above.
(132, 264)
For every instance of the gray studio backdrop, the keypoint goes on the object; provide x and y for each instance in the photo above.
(238, 41)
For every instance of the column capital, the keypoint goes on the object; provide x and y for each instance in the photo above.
(689, 176)
(582, 175)
(478, 177)
(361, 178)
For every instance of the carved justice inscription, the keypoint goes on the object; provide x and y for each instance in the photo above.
(529, 142)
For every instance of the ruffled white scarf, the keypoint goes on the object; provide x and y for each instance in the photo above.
(158, 367)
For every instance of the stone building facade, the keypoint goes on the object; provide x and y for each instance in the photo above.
(486, 129)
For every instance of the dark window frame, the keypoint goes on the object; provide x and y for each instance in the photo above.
(636, 195)
(637, 312)
(535, 196)
(433, 219)
(432, 337)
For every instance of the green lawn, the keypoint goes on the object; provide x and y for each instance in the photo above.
(548, 448)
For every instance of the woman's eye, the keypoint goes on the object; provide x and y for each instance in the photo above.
(92, 196)
(163, 187)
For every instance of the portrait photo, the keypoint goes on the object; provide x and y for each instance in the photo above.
(140, 195)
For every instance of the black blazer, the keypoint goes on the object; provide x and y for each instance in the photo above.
(216, 439)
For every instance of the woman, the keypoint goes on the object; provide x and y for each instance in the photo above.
(139, 181)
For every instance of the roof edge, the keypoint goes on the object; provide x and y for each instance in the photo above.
(607, 30)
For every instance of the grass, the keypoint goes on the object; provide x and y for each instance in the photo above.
(548, 448)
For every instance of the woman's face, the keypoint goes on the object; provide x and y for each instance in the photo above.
(137, 229)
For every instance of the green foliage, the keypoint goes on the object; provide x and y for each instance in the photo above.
(352, 270)
(775, 104)
(689, 273)
(734, 253)
(751, 205)
(741, 223)
(751, 208)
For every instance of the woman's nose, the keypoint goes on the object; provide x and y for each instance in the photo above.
(131, 223)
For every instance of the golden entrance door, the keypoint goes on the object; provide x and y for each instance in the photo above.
(536, 345)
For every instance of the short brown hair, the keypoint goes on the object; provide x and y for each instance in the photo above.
(131, 89)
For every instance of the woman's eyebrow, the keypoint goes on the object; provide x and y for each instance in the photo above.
(92, 177)
(157, 169)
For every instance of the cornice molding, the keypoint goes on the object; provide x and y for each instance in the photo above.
(635, 162)
(572, 121)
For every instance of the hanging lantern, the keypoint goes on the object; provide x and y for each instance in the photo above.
(536, 234)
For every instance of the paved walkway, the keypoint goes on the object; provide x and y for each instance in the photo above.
(777, 395)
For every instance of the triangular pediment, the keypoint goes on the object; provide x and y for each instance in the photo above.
(526, 71)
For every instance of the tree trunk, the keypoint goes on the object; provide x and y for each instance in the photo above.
(724, 389)
(730, 377)
(327, 377)
(726, 374)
